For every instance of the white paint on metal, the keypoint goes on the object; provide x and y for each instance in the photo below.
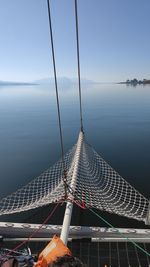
(69, 205)
(21, 231)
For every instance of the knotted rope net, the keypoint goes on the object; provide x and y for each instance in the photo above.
(97, 184)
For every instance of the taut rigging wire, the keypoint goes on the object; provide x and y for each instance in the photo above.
(56, 86)
(78, 59)
(57, 96)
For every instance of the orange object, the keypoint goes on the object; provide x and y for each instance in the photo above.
(51, 252)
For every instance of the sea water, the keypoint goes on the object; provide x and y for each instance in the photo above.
(116, 121)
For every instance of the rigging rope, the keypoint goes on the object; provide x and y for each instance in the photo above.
(85, 205)
(33, 233)
(57, 96)
(117, 230)
(78, 59)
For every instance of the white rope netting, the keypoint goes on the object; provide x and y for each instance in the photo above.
(97, 184)
(101, 187)
(45, 189)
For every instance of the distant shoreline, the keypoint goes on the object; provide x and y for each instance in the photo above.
(136, 82)
(16, 84)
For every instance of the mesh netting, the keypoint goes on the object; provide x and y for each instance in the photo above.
(97, 184)
(45, 189)
(101, 187)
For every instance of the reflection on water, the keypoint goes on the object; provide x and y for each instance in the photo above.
(116, 122)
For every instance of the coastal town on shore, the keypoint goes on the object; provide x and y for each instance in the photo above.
(135, 82)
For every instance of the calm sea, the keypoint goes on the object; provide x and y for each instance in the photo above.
(116, 123)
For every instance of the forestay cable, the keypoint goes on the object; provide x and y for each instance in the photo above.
(78, 59)
(57, 96)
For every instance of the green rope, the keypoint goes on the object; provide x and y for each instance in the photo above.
(110, 225)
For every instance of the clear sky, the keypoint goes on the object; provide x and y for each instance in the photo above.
(114, 39)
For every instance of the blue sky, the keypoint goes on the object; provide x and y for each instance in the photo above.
(114, 39)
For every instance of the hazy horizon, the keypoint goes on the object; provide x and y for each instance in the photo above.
(60, 79)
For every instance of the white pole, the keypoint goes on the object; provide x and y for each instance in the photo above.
(69, 205)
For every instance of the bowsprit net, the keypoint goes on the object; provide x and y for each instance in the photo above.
(97, 184)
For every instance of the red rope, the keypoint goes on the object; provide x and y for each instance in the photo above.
(34, 232)
(80, 204)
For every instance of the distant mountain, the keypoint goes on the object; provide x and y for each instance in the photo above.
(6, 83)
(63, 80)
